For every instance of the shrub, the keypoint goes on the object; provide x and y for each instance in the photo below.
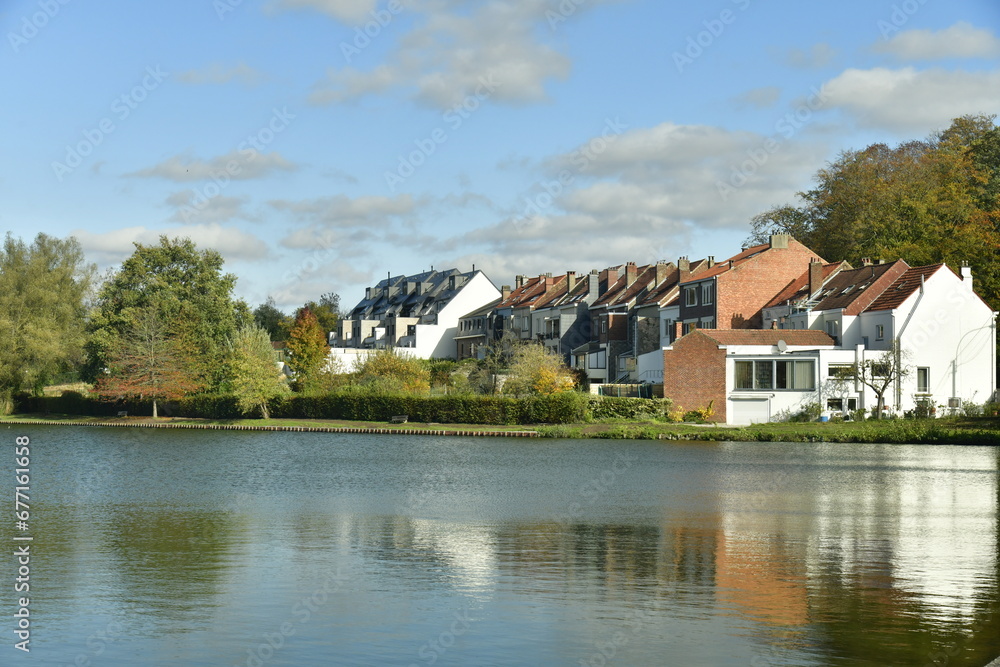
(603, 408)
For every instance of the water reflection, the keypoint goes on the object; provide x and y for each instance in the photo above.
(721, 554)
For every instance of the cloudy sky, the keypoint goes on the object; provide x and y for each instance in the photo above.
(319, 144)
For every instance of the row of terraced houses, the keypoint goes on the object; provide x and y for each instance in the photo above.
(760, 335)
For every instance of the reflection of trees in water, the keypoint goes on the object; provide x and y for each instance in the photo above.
(170, 561)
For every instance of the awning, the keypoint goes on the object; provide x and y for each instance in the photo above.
(588, 348)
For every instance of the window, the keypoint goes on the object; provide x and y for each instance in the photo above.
(879, 332)
(840, 371)
(924, 380)
(776, 374)
(707, 293)
(833, 328)
(707, 323)
(598, 359)
(691, 296)
(604, 327)
(525, 323)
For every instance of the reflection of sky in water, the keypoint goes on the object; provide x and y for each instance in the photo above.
(194, 549)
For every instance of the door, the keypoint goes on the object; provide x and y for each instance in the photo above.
(750, 411)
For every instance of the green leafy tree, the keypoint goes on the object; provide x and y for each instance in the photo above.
(327, 311)
(308, 346)
(187, 287)
(386, 371)
(268, 317)
(149, 360)
(536, 370)
(930, 201)
(43, 289)
(485, 379)
(255, 375)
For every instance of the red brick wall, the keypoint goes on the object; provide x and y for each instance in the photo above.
(694, 373)
(742, 292)
(617, 326)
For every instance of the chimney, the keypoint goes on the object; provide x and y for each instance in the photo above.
(505, 292)
(631, 273)
(518, 282)
(662, 270)
(546, 280)
(570, 281)
(684, 266)
(678, 328)
(966, 273)
(368, 293)
(866, 261)
(779, 241)
(815, 276)
(593, 284)
(711, 261)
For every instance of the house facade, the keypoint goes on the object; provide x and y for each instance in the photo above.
(945, 338)
(419, 313)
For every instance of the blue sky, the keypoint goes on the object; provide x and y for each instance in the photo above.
(319, 144)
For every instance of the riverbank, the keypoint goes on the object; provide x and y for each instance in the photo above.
(958, 431)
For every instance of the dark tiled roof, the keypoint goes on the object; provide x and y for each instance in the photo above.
(855, 290)
(798, 289)
(803, 337)
(484, 311)
(905, 285)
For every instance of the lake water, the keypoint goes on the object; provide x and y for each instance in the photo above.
(208, 548)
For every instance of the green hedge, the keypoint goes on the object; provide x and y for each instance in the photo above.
(603, 408)
(559, 409)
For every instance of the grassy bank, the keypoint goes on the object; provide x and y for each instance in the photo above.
(927, 431)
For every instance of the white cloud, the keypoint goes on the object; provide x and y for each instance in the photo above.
(908, 101)
(342, 212)
(759, 98)
(108, 248)
(961, 40)
(237, 165)
(644, 197)
(218, 74)
(348, 11)
(450, 53)
(195, 208)
(819, 55)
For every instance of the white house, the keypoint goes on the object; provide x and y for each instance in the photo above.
(417, 314)
(946, 336)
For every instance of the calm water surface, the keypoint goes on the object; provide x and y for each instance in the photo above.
(201, 548)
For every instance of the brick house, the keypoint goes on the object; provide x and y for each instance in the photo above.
(713, 366)
(733, 293)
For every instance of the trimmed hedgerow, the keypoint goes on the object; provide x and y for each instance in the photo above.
(603, 408)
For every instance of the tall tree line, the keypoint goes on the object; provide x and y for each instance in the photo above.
(927, 201)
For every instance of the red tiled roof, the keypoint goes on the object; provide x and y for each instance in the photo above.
(804, 337)
(736, 259)
(905, 285)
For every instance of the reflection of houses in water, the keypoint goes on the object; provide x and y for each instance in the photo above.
(762, 576)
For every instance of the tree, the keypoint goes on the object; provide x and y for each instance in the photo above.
(255, 375)
(149, 361)
(308, 347)
(499, 352)
(187, 287)
(929, 201)
(43, 289)
(327, 311)
(386, 371)
(878, 373)
(273, 321)
(536, 370)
